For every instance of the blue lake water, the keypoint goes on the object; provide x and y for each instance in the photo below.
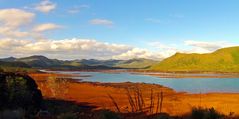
(191, 85)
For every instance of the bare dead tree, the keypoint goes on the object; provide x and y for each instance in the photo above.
(131, 101)
(151, 102)
(157, 103)
(161, 102)
(114, 102)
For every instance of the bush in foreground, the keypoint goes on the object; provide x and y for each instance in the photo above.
(206, 113)
(19, 93)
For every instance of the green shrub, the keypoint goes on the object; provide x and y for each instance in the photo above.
(19, 91)
(1, 70)
(106, 114)
(162, 116)
(12, 114)
(204, 113)
(58, 87)
(68, 115)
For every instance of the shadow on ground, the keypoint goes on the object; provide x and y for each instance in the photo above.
(60, 109)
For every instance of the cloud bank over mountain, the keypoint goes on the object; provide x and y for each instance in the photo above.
(72, 49)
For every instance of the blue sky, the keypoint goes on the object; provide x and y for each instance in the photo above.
(173, 25)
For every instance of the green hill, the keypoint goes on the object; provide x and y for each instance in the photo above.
(95, 62)
(72, 63)
(136, 63)
(222, 60)
(38, 61)
(14, 64)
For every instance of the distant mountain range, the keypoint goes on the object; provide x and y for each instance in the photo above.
(38, 61)
(222, 60)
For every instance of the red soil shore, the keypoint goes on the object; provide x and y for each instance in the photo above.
(174, 103)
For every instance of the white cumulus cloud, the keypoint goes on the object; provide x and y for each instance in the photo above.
(165, 50)
(17, 23)
(12, 20)
(138, 53)
(15, 17)
(45, 6)
(46, 27)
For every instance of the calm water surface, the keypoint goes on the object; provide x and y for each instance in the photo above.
(191, 85)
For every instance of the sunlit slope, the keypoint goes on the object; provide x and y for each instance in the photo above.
(136, 63)
(222, 60)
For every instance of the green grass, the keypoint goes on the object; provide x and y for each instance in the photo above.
(136, 63)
